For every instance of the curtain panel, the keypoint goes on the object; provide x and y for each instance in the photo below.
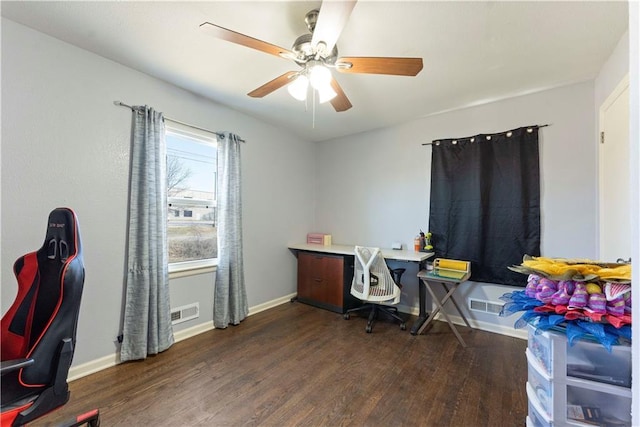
(485, 202)
(230, 305)
(147, 326)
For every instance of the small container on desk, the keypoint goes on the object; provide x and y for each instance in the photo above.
(319, 239)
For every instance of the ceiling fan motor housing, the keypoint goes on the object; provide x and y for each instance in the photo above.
(305, 52)
(311, 18)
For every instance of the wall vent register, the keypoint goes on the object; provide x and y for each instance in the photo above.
(184, 313)
(485, 306)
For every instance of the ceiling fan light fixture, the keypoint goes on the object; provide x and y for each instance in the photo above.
(319, 76)
(316, 53)
(298, 87)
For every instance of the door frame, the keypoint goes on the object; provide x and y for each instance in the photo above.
(613, 96)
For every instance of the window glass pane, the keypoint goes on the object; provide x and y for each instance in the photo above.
(191, 183)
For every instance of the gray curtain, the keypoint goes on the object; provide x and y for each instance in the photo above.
(147, 313)
(230, 304)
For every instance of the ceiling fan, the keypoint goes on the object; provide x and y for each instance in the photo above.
(316, 53)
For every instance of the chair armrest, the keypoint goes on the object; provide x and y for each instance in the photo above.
(7, 366)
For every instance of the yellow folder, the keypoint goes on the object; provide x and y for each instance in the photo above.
(450, 269)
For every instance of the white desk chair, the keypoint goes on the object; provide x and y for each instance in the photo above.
(372, 283)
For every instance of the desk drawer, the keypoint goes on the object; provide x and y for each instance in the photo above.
(324, 281)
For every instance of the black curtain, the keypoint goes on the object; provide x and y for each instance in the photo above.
(485, 202)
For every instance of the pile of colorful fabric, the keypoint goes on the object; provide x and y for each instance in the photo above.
(584, 297)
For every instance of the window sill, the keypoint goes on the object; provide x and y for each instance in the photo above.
(192, 268)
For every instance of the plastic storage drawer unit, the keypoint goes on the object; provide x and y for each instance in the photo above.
(583, 384)
(541, 385)
(589, 361)
(536, 415)
(541, 348)
(598, 407)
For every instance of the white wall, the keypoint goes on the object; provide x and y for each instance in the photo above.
(373, 188)
(612, 72)
(64, 143)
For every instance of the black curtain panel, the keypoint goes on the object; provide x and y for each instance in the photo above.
(485, 202)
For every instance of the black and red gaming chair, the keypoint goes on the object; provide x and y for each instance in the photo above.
(38, 331)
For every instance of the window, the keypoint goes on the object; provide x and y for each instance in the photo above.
(191, 195)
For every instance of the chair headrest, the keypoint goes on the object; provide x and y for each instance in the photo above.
(62, 239)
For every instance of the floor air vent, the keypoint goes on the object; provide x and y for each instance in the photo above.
(184, 313)
(485, 306)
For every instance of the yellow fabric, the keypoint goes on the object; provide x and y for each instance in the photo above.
(557, 267)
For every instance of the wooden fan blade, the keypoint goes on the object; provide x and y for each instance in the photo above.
(274, 84)
(244, 40)
(380, 65)
(339, 102)
(331, 20)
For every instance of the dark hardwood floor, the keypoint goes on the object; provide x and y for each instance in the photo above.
(296, 365)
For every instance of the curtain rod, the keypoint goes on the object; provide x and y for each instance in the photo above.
(437, 141)
(122, 104)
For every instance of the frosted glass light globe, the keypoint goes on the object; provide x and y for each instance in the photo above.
(319, 76)
(298, 88)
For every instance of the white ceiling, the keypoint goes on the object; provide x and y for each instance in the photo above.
(473, 52)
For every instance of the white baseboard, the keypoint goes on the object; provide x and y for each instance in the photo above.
(76, 372)
(509, 331)
(408, 310)
(476, 324)
(192, 331)
(270, 304)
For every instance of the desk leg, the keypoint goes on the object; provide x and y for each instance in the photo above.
(434, 313)
(440, 309)
(422, 315)
(449, 296)
(453, 300)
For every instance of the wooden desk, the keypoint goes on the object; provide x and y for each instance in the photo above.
(347, 252)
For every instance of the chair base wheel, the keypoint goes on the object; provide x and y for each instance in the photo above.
(368, 329)
(346, 316)
(403, 326)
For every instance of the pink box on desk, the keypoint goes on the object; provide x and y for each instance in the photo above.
(319, 238)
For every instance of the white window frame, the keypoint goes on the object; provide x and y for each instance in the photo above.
(201, 266)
